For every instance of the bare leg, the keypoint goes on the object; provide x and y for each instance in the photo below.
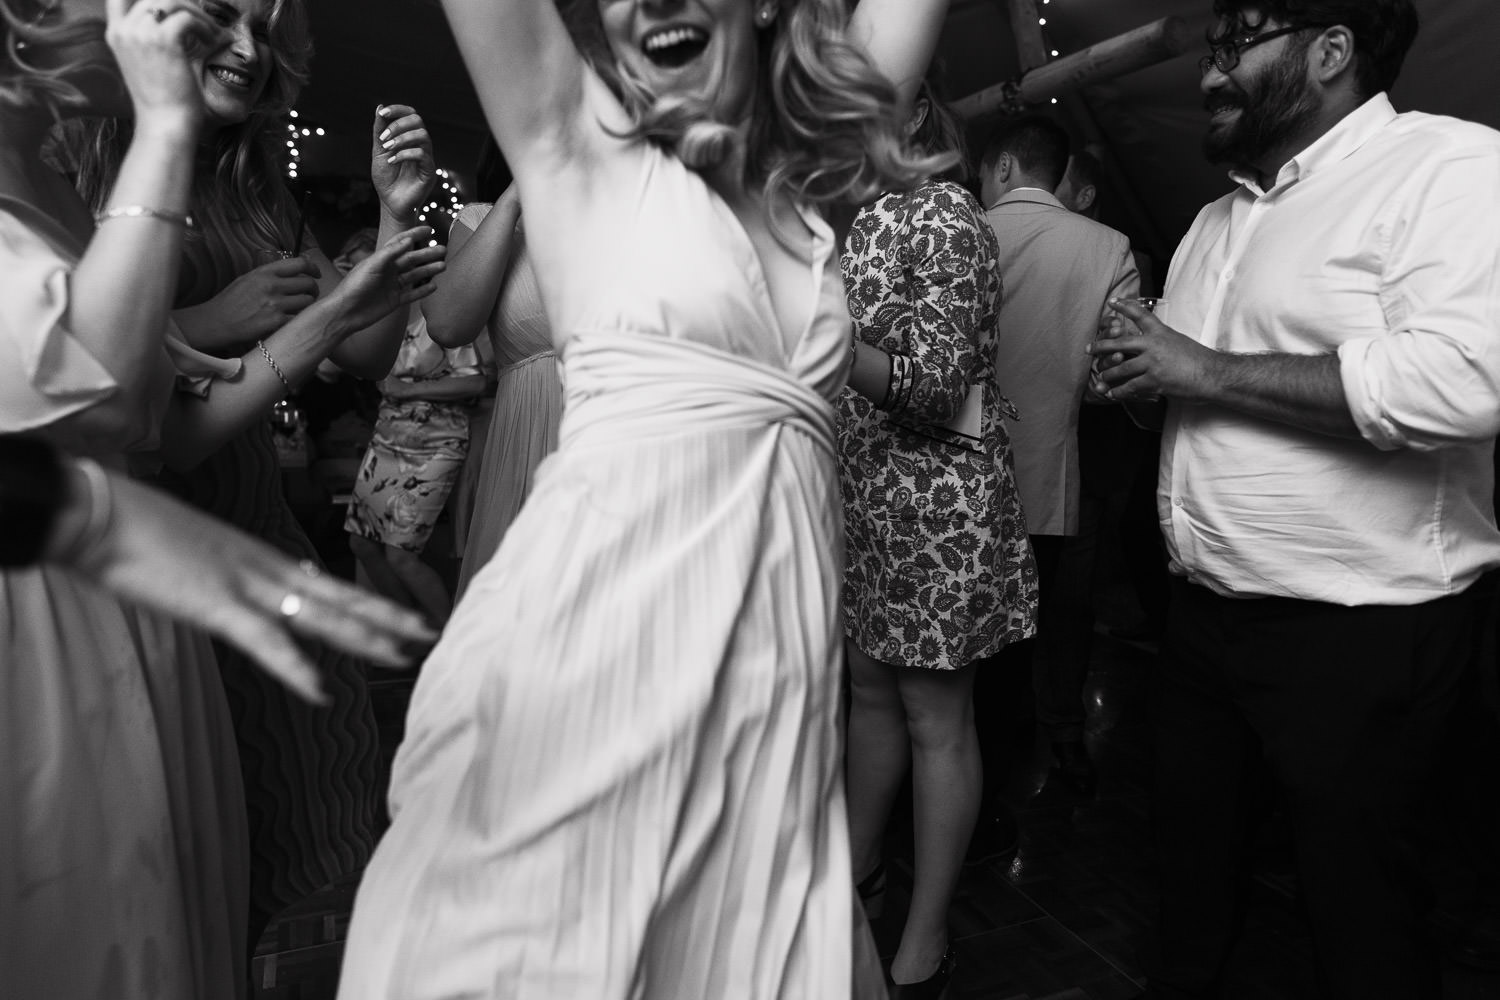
(878, 754)
(422, 582)
(371, 556)
(946, 781)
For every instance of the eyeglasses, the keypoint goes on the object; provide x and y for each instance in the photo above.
(1226, 57)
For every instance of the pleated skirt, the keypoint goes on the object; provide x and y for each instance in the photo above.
(522, 432)
(622, 770)
(122, 835)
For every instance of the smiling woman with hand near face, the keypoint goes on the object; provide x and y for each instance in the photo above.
(310, 772)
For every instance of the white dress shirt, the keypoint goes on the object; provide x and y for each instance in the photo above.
(1381, 242)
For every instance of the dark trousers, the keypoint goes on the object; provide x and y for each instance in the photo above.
(1065, 628)
(1349, 707)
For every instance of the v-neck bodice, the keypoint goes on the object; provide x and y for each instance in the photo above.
(672, 260)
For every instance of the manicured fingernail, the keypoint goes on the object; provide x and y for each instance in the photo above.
(385, 135)
(388, 144)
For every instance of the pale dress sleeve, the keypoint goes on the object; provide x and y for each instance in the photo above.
(46, 374)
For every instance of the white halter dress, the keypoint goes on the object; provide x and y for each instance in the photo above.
(622, 770)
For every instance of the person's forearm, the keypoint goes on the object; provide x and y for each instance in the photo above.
(121, 291)
(1300, 390)
(370, 353)
(467, 293)
(870, 375)
(195, 427)
(899, 37)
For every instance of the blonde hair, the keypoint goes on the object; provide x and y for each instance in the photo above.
(239, 199)
(22, 82)
(823, 128)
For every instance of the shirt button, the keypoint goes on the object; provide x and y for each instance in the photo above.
(1177, 501)
(1229, 274)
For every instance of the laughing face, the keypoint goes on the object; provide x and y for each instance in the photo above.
(703, 49)
(235, 75)
(1260, 104)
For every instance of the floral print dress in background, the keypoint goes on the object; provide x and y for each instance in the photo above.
(418, 448)
(939, 570)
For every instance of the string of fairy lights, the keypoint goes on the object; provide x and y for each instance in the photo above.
(1042, 23)
(446, 196)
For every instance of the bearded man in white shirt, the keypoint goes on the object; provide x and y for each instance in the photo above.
(1330, 360)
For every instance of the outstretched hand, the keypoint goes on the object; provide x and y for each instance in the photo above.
(395, 275)
(1150, 361)
(183, 563)
(402, 167)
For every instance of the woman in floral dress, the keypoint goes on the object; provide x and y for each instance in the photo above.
(939, 571)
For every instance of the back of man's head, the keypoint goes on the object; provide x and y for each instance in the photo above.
(1038, 147)
(1079, 190)
(1383, 30)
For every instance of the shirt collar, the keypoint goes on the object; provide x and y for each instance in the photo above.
(1344, 139)
(1036, 195)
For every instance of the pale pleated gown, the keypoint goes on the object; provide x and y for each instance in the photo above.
(622, 770)
(523, 425)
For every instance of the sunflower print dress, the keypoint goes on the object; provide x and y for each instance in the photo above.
(939, 570)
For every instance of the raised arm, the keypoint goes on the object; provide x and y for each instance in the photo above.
(121, 290)
(899, 37)
(478, 261)
(530, 78)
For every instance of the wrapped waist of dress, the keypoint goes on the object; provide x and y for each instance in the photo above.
(623, 388)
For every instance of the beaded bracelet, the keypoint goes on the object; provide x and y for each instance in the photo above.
(144, 212)
(274, 366)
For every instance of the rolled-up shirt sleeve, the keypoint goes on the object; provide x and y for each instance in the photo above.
(46, 374)
(1433, 380)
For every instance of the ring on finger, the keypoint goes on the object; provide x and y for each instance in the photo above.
(291, 605)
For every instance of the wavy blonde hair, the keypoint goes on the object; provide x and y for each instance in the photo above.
(23, 32)
(239, 200)
(823, 128)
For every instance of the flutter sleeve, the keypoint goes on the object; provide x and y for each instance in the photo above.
(46, 374)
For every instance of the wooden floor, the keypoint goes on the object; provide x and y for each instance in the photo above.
(1065, 920)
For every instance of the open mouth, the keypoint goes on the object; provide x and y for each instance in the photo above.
(675, 46)
(1220, 110)
(232, 77)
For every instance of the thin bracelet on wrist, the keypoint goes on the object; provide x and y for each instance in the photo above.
(274, 366)
(144, 212)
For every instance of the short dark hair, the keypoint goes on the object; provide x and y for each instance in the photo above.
(1383, 30)
(1086, 169)
(1039, 144)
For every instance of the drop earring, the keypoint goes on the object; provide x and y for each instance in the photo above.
(765, 16)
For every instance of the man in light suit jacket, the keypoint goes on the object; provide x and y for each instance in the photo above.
(1059, 269)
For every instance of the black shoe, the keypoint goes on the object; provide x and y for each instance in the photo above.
(1075, 767)
(934, 987)
(996, 837)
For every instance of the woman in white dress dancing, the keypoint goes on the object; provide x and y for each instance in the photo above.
(621, 776)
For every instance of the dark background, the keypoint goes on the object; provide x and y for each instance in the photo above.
(388, 51)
